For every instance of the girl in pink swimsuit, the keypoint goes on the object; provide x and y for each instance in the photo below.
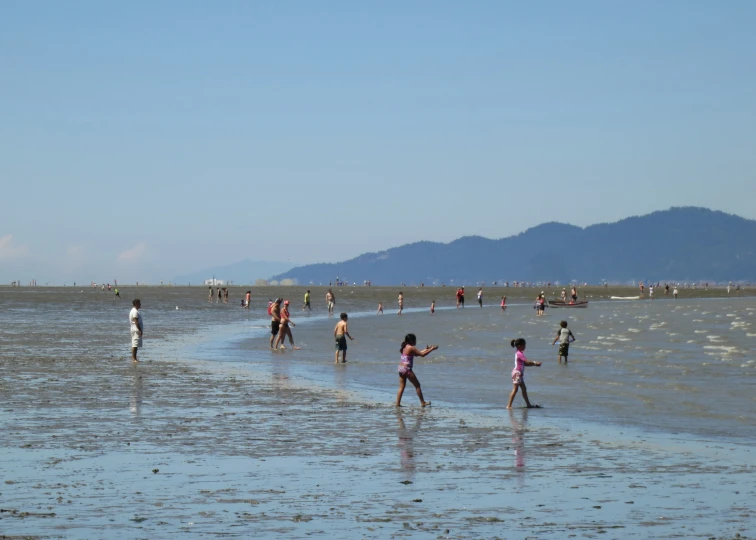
(409, 352)
(518, 373)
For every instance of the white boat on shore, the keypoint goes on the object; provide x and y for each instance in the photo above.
(624, 297)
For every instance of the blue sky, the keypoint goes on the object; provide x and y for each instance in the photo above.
(144, 140)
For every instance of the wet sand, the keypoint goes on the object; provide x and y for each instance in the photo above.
(95, 447)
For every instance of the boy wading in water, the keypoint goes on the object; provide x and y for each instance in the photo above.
(518, 373)
(565, 337)
(341, 332)
(409, 351)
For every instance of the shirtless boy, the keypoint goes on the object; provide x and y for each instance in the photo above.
(340, 333)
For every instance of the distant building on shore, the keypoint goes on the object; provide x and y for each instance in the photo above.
(216, 282)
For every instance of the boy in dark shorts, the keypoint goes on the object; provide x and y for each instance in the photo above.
(340, 333)
(565, 337)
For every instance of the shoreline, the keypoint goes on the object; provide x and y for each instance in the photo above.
(177, 445)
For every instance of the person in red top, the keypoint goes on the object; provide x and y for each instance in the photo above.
(461, 297)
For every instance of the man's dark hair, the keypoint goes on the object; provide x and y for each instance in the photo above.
(135, 302)
(344, 316)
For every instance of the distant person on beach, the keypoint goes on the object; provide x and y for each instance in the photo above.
(247, 299)
(564, 295)
(137, 328)
(340, 333)
(117, 293)
(503, 303)
(651, 292)
(574, 295)
(409, 351)
(642, 289)
(210, 294)
(461, 297)
(330, 301)
(565, 337)
(380, 308)
(307, 301)
(285, 329)
(220, 295)
(480, 297)
(540, 305)
(666, 289)
(433, 307)
(401, 303)
(274, 310)
(518, 373)
(674, 293)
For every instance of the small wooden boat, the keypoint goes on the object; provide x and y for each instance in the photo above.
(562, 303)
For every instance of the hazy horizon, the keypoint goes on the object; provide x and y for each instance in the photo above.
(145, 141)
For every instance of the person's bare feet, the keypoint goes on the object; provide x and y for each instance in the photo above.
(134, 361)
(425, 403)
(297, 348)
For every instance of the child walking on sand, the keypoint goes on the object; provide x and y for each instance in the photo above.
(518, 373)
(565, 337)
(409, 352)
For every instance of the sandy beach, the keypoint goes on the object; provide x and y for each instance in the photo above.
(95, 447)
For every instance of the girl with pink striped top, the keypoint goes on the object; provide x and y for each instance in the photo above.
(518, 373)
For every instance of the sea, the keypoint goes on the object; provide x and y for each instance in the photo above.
(662, 365)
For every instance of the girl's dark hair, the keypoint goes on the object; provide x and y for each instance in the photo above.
(517, 342)
(409, 339)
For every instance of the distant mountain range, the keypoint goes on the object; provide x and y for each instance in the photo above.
(241, 273)
(681, 244)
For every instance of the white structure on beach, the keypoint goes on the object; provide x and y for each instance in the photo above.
(215, 282)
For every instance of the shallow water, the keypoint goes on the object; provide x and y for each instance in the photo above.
(251, 443)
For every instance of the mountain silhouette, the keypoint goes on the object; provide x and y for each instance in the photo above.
(679, 244)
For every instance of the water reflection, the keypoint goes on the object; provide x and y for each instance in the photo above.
(135, 399)
(519, 428)
(406, 442)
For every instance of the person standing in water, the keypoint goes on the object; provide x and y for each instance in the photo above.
(401, 303)
(340, 333)
(137, 328)
(275, 320)
(480, 297)
(503, 304)
(285, 329)
(433, 307)
(409, 351)
(565, 337)
(330, 301)
(117, 293)
(307, 301)
(518, 373)
(573, 295)
(380, 308)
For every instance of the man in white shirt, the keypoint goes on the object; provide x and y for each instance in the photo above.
(136, 329)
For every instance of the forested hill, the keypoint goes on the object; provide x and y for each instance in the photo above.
(677, 244)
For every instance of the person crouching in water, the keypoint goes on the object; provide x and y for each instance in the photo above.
(409, 352)
(518, 373)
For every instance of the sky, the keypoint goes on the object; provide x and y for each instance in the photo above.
(148, 139)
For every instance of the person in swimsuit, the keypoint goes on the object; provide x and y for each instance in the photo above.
(340, 333)
(285, 329)
(503, 303)
(330, 301)
(564, 295)
(574, 295)
(380, 308)
(401, 303)
(480, 297)
(409, 352)
(540, 304)
(433, 307)
(518, 373)
(275, 320)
